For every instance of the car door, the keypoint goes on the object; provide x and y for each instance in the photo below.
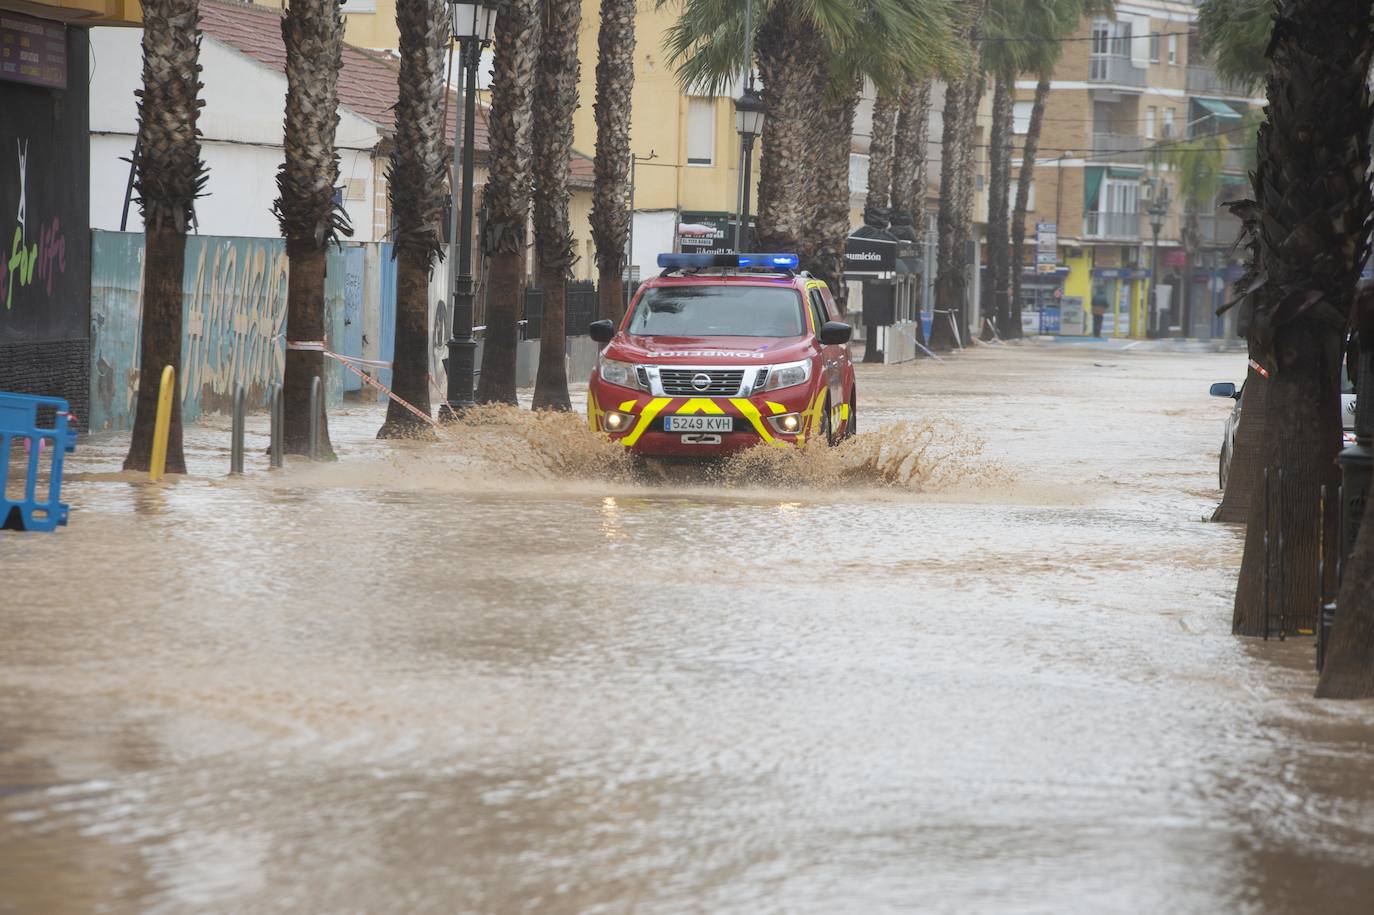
(832, 357)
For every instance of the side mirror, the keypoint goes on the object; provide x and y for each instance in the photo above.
(601, 331)
(834, 333)
(1224, 389)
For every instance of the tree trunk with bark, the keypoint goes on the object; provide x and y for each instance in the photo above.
(1314, 196)
(950, 279)
(555, 101)
(615, 79)
(169, 177)
(1012, 328)
(507, 193)
(827, 225)
(909, 180)
(999, 212)
(791, 58)
(1348, 672)
(417, 184)
(312, 32)
(878, 203)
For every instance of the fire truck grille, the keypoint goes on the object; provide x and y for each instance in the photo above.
(688, 382)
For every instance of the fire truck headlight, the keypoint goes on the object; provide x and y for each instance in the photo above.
(615, 421)
(787, 423)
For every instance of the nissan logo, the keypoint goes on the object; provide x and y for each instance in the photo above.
(701, 381)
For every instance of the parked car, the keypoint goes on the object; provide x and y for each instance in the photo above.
(1228, 435)
(723, 352)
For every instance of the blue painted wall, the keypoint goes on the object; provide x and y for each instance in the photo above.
(235, 315)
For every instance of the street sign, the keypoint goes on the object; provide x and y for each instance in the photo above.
(1046, 268)
(1046, 236)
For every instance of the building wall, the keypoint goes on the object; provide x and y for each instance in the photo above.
(242, 146)
(44, 206)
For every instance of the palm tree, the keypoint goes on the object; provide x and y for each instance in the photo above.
(555, 99)
(1042, 25)
(169, 178)
(1235, 33)
(996, 295)
(312, 32)
(610, 220)
(416, 183)
(1315, 204)
(826, 224)
(881, 145)
(909, 172)
(805, 48)
(507, 192)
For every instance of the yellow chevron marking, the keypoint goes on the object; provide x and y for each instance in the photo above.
(844, 412)
(651, 410)
(593, 413)
(776, 408)
(700, 405)
(628, 405)
(755, 418)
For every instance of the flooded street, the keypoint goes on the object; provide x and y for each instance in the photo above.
(977, 660)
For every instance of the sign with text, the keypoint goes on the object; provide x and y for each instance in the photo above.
(33, 51)
(1046, 246)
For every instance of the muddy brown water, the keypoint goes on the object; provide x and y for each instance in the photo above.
(979, 660)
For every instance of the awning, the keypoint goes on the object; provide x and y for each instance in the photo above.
(1092, 184)
(1131, 174)
(1219, 109)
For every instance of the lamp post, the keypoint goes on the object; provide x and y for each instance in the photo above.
(749, 114)
(473, 24)
(1157, 211)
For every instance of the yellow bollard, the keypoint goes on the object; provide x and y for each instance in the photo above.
(158, 466)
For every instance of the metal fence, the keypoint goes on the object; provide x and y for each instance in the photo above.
(580, 309)
(1111, 225)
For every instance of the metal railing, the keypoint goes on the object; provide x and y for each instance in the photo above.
(1111, 225)
(1119, 147)
(580, 309)
(1207, 81)
(1116, 69)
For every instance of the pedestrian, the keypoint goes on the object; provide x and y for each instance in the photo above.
(1099, 312)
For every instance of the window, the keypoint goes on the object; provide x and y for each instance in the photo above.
(818, 310)
(1154, 47)
(1102, 30)
(1168, 122)
(1020, 117)
(359, 6)
(1150, 122)
(1173, 50)
(718, 311)
(701, 131)
(1030, 197)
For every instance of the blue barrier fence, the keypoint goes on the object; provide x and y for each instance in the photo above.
(20, 422)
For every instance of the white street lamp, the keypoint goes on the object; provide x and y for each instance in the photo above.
(473, 21)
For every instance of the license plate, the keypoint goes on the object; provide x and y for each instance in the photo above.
(716, 424)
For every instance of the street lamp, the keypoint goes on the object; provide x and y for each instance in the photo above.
(473, 24)
(749, 114)
(1157, 211)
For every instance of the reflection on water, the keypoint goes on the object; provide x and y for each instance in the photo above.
(976, 661)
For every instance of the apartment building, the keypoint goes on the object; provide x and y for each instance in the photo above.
(1128, 88)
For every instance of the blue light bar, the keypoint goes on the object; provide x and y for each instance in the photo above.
(780, 261)
(701, 261)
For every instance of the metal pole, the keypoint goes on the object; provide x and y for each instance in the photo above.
(275, 460)
(129, 187)
(236, 434)
(1154, 286)
(630, 234)
(746, 142)
(748, 180)
(462, 348)
(315, 418)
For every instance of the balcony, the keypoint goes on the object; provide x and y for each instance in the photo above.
(1114, 226)
(1206, 81)
(1220, 228)
(1116, 70)
(1118, 147)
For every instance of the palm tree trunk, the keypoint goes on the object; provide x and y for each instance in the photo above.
(615, 79)
(312, 32)
(1349, 669)
(790, 58)
(999, 190)
(1313, 191)
(909, 181)
(507, 194)
(416, 182)
(1247, 457)
(828, 222)
(949, 271)
(555, 102)
(878, 205)
(1012, 327)
(169, 177)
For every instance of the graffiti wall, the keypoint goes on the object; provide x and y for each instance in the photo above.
(233, 326)
(44, 219)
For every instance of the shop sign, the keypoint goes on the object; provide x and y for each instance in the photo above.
(33, 51)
